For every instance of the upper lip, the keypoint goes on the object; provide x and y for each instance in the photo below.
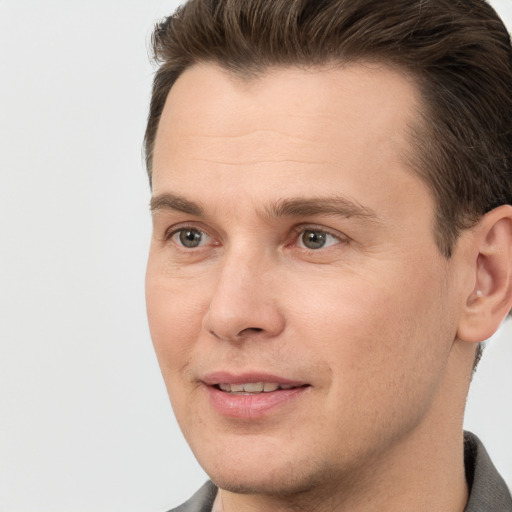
(222, 377)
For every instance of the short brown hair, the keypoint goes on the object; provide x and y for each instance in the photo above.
(458, 51)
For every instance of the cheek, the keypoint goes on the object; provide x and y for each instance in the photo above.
(175, 314)
(383, 354)
(378, 330)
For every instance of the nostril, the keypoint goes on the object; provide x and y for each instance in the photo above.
(250, 330)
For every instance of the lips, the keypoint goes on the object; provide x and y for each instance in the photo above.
(251, 395)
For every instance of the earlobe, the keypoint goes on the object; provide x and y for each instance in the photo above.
(491, 297)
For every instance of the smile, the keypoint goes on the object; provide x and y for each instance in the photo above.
(253, 395)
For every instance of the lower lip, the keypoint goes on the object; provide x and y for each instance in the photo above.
(251, 406)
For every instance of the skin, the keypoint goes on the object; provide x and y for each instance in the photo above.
(371, 321)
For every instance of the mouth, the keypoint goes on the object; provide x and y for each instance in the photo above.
(251, 388)
(252, 396)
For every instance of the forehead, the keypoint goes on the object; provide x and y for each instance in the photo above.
(210, 90)
(287, 126)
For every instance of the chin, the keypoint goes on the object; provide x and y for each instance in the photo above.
(267, 475)
(282, 484)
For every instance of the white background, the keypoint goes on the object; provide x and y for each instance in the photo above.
(85, 423)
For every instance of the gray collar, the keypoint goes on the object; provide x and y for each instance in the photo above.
(488, 491)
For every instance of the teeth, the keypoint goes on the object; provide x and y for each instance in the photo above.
(253, 387)
(256, 387)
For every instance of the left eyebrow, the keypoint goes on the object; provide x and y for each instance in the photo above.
(332, 206)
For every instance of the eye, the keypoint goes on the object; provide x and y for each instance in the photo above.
(189, 237)
(316, 239)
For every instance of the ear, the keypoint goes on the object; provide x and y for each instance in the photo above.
(490, 299)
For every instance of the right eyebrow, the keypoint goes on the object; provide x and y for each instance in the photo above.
(177, 203)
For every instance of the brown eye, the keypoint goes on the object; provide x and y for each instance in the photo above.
(190, 238)
(317, 239)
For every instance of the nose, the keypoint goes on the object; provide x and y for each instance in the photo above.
(244, 304)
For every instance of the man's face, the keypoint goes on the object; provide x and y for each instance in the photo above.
(301, 312)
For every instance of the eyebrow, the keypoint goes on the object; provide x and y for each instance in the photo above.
(339, 206)
(169, 201)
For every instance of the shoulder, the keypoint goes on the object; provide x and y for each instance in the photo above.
(201, 501)
(488, 491)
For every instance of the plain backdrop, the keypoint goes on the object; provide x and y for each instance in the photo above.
(85, 423)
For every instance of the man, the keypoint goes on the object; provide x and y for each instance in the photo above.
(331, 191)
